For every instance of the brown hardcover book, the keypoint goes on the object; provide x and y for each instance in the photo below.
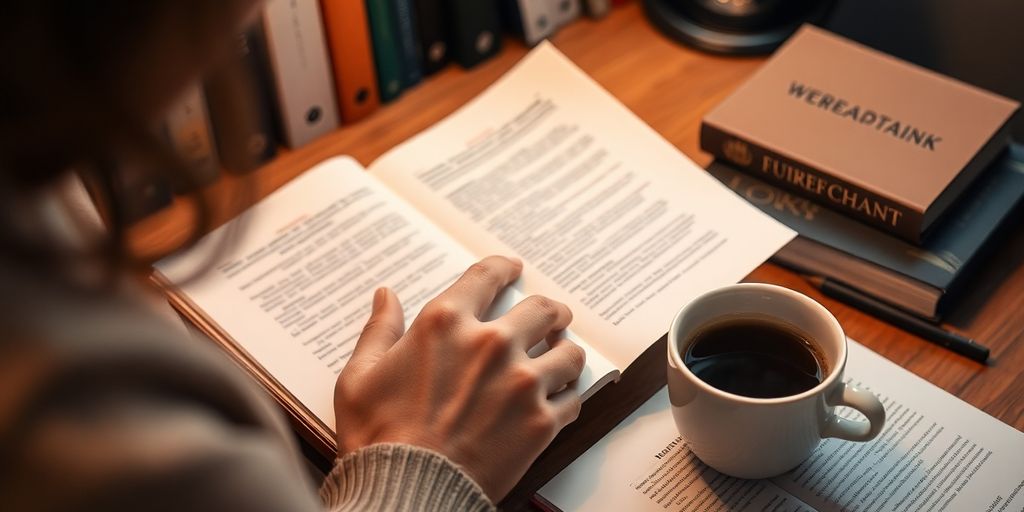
(348, 38)
(880, 139)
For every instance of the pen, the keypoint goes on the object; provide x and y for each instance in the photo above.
(933, 333)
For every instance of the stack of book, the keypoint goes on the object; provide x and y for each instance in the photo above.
(310, 65)
(897, 179)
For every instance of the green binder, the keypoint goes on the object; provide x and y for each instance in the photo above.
(386, 52)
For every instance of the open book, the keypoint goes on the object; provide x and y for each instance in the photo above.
(545, 165)
(936, 453)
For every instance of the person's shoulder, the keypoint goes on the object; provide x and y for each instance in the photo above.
(97, 392)
(61, 340)
(54, 335)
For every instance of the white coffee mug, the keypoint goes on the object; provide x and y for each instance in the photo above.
(764, 437)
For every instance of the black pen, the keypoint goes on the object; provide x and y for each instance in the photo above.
(910, 323)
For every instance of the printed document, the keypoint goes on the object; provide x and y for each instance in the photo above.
(936, 453)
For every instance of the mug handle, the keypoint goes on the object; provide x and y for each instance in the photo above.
(854, 430)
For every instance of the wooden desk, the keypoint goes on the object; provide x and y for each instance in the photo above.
(670, 87)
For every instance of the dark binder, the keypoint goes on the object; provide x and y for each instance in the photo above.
(188, 131)
(136, 193)
(240, 101)
(433, 35)
(475, 30)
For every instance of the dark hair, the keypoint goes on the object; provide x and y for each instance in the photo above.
(81, 86)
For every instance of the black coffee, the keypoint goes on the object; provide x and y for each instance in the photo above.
(755, 358)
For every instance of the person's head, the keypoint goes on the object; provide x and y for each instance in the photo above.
(85, 82)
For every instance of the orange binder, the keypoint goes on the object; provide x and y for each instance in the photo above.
(348, 38)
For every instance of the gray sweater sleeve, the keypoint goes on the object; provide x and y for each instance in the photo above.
(400, 477)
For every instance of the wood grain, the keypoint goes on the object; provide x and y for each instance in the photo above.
(670, 87)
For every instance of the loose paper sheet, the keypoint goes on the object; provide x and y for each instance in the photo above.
(936, 453)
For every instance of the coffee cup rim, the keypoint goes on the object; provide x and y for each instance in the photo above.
(676, 359)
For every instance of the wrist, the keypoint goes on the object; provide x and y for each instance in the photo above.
(403, 474)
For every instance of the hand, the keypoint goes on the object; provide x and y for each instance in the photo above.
(461, 387)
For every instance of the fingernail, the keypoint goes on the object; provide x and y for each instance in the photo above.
(378, 298)
(515, 260)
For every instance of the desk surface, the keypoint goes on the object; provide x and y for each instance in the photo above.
(670, 87)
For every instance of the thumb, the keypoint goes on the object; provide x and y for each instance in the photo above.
(382, 330)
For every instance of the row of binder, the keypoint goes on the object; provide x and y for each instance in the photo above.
(309, 66)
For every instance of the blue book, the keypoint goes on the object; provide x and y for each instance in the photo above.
(922, 280)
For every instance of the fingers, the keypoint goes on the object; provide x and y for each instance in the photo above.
(385, 326)
(478, 286)
(566, 405)
(559, 366)
(535, 319)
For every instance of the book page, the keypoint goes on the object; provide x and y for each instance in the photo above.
(608, 216)
(936, 453)
(295, 291)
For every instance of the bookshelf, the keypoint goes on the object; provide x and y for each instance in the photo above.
(670, 87)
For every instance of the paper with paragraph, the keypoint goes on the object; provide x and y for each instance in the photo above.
(296, 296)
(609, 217)
(936, 453)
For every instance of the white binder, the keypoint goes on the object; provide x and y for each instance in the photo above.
(566, 11)
(301, 70)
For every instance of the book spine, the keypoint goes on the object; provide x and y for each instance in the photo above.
(821, 187)
(348, 38)
(141, 193)
(903, 263)
(386, 52)
(511, 17)
(301, 70)
(147, 196)
(187, 129)
(475, 30)
(597, 8)
(537, 19)
(433, 35)
(240, 100)
(408, 42)
(566, 11)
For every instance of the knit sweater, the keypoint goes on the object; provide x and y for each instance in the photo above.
(102, 407)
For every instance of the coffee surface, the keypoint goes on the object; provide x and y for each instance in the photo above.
(755, 358)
